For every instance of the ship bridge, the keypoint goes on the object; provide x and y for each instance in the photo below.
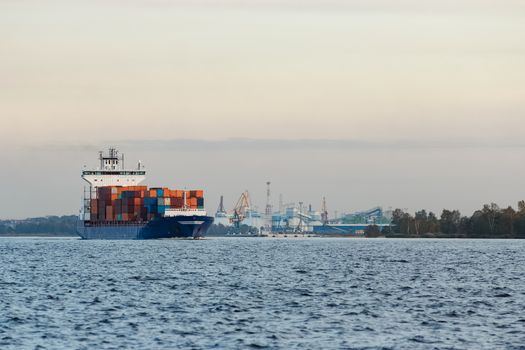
(111, 172)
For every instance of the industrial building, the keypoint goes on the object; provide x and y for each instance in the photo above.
(293, 218)
(343, 229)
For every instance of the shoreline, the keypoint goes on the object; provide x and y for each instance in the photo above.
(66, 235)
(14, 235)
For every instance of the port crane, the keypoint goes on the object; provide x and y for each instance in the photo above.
(239, 211)
(299, 228)
(220, 210)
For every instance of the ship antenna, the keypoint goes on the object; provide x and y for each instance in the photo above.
(100, 157)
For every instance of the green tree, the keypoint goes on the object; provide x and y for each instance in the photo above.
(420, 222)
(402, 223)
(519, 221)
(479, 225)
(432, 223)
(465, 227)
(449, 223)
(490, 212)
(506, 221)
(397, 218)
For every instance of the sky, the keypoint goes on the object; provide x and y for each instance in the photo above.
(403, 104)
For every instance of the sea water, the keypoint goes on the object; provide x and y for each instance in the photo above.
(239, 293)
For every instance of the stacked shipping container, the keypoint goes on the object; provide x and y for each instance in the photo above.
(138, 203)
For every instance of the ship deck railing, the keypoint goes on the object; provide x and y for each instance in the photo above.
(116, 223)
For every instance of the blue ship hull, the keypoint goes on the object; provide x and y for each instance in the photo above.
(165, 227)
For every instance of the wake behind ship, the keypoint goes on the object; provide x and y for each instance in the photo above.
(116, 207)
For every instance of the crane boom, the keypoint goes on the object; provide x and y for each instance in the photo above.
(240, 209)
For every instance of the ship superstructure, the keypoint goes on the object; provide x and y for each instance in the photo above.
(111, 172)
(115, 206)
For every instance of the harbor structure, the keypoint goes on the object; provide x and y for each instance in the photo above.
(221, 216)
(298, 218)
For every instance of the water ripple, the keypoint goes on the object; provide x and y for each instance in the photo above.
(262, 294)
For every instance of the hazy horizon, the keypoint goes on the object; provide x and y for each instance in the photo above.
(417, 104)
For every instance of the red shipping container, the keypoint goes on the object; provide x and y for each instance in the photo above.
(93, 206)
(109, 212)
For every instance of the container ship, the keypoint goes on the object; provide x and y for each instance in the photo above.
(115, 206)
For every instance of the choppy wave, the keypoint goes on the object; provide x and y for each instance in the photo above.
(262, 294)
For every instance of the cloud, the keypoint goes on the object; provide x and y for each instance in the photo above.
(249, 144)
(316, 144)
(341, 5)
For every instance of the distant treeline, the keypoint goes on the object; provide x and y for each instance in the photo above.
(48, 225)
(489, 222)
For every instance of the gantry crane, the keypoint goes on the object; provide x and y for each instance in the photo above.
(240, 209)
